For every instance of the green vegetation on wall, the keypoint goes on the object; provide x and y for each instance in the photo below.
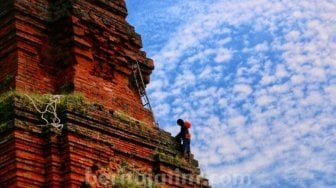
(72, 102)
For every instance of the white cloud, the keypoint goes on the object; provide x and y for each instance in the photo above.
(162, 110)
(223, 42)
(261, 47)
(159, 95)
(297, 79)
(293, 35)
(331, 91)
(243, 88)
(267, 79)
(237, 121)
(223, 55)
(264, 100)
(206, 72)
(278, 88)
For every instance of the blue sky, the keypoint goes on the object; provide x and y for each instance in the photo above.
(257, 79)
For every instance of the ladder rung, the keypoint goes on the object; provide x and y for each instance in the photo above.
(141, 87)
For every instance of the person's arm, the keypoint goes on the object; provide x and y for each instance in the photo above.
(178, 136)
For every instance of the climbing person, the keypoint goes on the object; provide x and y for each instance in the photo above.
(184, 136)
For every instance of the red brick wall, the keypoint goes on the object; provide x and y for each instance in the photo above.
(73, 46)
(34, 156)
(8, 46)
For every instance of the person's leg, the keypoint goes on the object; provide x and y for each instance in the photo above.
(188, 146)
(184, 147)
(188, 149)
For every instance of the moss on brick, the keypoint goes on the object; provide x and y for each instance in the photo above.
(130, 120)
(174, 160)
(75, 102)
(5, 126)
(72, 102)
(6, 106)
(6, 83)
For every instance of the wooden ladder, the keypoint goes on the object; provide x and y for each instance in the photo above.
(141, 87)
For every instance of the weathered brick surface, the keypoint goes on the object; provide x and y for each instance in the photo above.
(45, 159)
(8, 46)
(71, 45)
(7, 160)
(83, 46)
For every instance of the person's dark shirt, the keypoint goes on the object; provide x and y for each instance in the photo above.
(183, 132)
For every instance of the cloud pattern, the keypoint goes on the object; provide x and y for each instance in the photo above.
(256, 78)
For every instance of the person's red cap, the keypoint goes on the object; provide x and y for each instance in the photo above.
(187, 124)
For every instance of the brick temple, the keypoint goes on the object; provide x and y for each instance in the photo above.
(84, 52)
